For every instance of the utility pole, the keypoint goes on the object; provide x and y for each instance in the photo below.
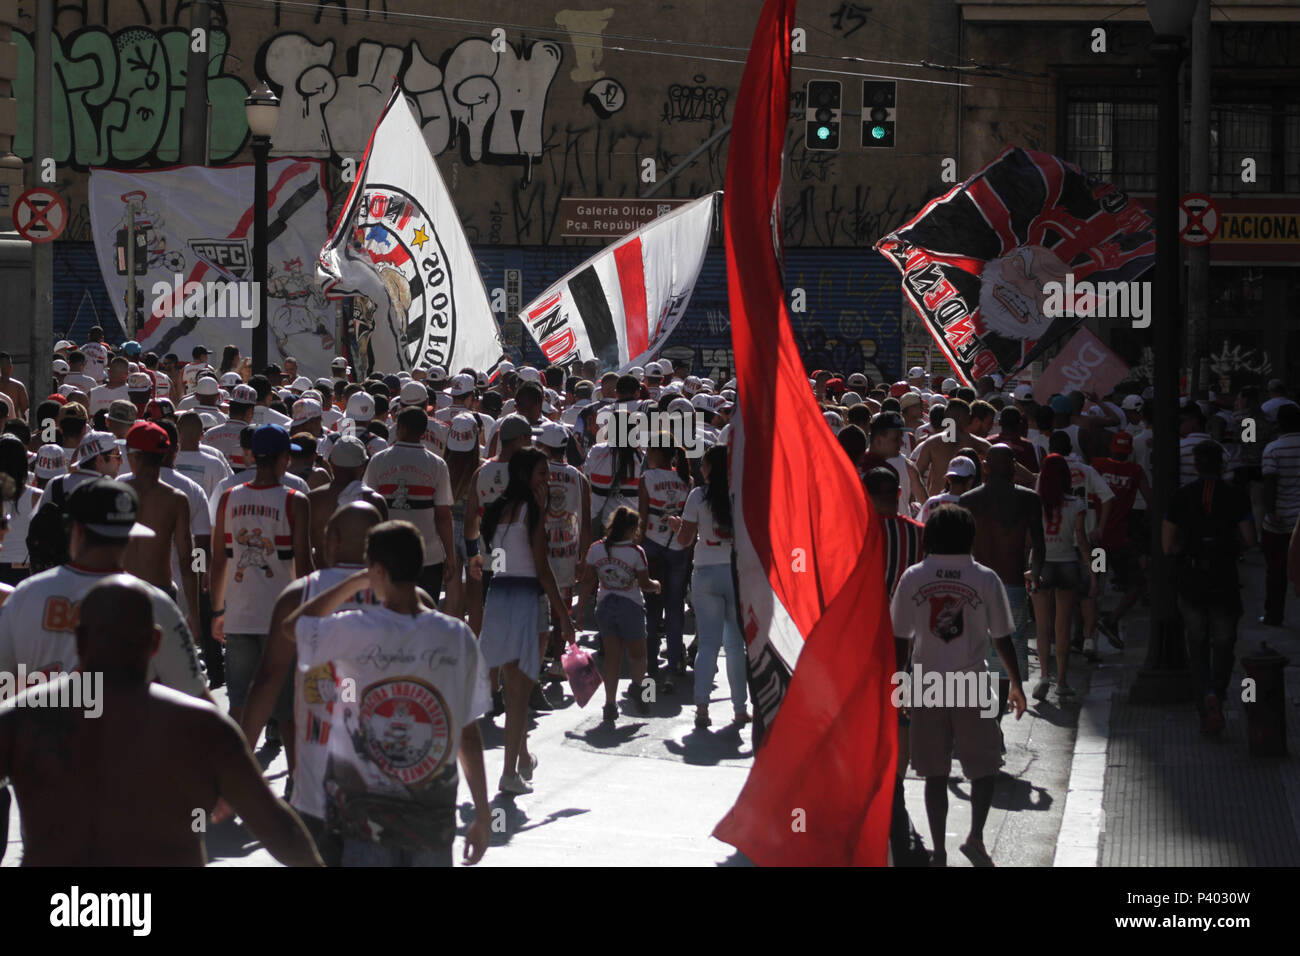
(194, 130)
(42, 252)
(1198, 181)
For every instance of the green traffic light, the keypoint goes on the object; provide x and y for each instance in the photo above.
(823, 132)
(877, 132)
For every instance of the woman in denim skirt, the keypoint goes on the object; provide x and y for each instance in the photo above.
(620, 568)
(514, 616)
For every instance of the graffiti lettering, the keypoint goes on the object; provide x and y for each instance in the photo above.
(118, 97)
(696, 103)
(849, 18)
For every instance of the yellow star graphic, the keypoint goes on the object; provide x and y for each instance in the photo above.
(420, 238)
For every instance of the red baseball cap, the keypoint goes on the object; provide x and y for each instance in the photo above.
(1121, 444)
(899, 389)
(148, 437)
(56, 397)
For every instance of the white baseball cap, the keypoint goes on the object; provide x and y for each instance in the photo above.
(637, 372)
(961, 467)
(1132, 403)
(834, 420)
(360, 407)
(300, 384)
(97, 443)
(553, 435)
(849, 399)
(243, 394)
(348, 452)
(530, 374)
(914, 372)
(949, 383)
(231, 379)
(49, 461)
(1023, 393)
(209, 386)
(462, 433)
(304, 410)
(59, 366)
(437, 373)
(462, 384)
(414, 394)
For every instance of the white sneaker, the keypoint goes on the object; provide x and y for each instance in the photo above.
(513, 783)
(526, 769)
(1090, 649)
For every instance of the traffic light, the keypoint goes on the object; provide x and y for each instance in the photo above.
(823, 126)
(879, 102)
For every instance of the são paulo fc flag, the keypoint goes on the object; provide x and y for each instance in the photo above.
(400, 244)
(620, 305)
(808, 546)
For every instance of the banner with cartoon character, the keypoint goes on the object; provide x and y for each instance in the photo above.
(980, 263)
(194, 257)
(399, 243)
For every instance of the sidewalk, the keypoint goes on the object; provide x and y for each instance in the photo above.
(1172, 797)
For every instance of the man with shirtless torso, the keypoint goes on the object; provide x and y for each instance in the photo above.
(348, 460)
(151, 758)
(1008, 519)
(934, 454)
(13, 389)
(165, 510)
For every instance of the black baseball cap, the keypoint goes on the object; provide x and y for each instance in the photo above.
(108, 508)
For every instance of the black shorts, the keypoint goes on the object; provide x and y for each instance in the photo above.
(1064, 576)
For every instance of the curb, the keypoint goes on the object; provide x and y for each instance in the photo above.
(1083, 819)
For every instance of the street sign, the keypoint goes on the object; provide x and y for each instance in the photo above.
(610, 218)
(1198, 219)
(40, 215)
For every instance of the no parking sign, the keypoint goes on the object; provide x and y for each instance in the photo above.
(40, 215)
(1198, 219)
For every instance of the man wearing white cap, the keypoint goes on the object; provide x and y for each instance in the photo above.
(461, 391)
(98, 455)
(915, 376)
(225, 437)
(959, 480)
(417, 487)
(49, 464)
(340, 368)
(307, 417)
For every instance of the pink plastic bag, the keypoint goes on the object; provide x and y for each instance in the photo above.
(584, 676)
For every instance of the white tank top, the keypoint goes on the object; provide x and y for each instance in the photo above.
(259, 553)
(512, 549)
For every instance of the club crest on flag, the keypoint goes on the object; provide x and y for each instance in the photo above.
(395, 232)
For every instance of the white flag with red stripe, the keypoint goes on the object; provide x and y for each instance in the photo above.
(620, 306)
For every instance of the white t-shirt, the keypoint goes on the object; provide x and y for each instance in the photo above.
(101, 396)
(1282, 458)
(419, 680)
(1088, 485)
(225, 439)
(951, 606)
(14, 549)
(934, 501)
(206, 468)
(265, 415)
(315, 696)
(563, 525)
(712, 544)
(96, 360)
(1058, 531)
(414, 481)
(616, 569)
(38, 622)
(667, 494)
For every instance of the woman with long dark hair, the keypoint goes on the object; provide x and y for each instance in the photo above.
(515, 622)
(705, 524)
(229, 360)
(619, 566)
(661, 493)
(1056, 590)
(19, 503)
(463, 457)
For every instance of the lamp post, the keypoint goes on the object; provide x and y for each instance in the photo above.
(1164, 677)
(261, 107)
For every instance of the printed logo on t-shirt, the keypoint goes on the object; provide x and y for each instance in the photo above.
(948, 602)
(404, 728)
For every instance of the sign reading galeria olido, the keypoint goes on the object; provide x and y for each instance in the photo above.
(610, 218)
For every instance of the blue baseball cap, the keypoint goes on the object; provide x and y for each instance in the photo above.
(132, 348)
(1061, 405)
(270, 441)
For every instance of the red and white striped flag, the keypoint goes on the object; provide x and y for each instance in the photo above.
(812, 597)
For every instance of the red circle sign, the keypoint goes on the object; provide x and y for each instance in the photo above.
(1198, 219)
(40, 215)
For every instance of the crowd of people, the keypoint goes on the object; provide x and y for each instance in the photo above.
(371, 563)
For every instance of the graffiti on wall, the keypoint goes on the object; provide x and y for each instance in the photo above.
(696, 102)
(492, 102)
(117, 97)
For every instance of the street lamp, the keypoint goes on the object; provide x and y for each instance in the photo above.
(261, 108)
(1164, 677)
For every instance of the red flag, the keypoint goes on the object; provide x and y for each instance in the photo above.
(807, 544)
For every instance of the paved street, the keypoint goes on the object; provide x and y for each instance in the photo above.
(1138, 787)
